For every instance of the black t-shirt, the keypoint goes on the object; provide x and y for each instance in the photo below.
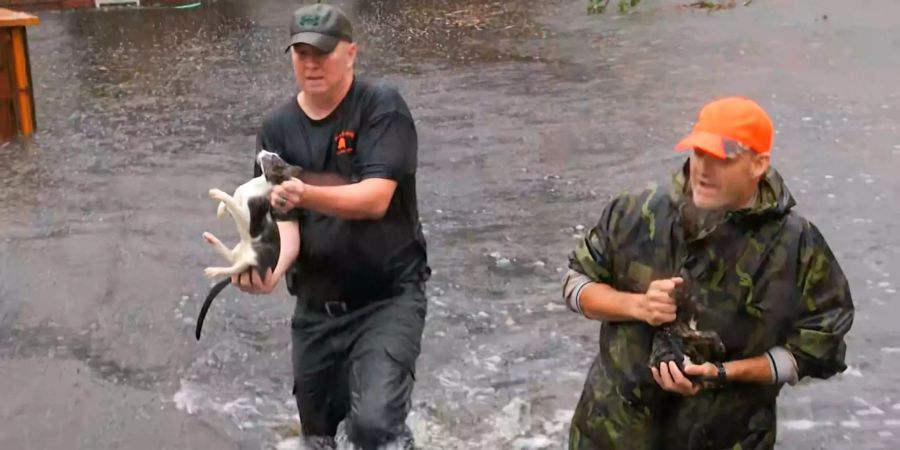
(371, 134)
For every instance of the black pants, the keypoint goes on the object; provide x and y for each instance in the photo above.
(359, 366)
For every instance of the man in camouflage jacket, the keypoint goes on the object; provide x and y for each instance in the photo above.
(758, 276)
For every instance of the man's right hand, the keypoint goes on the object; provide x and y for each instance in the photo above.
(657, 306)
(251, 283)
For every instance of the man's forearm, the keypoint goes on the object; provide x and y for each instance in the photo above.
(750, 370)
(776, 366)
(289, 233)
(356, 201)
(603, 302)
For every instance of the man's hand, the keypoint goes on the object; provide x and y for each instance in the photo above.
(668, 376)
(251, 283)
(288, 195)
(657, 306)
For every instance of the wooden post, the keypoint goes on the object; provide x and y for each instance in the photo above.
(20, 64)
(19, 80)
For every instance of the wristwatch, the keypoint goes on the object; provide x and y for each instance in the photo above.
(720, 376)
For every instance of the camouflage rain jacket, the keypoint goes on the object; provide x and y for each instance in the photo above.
(765, 277)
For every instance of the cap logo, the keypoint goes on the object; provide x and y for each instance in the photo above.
(309, 20)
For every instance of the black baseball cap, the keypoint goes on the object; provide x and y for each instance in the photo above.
(321, 26)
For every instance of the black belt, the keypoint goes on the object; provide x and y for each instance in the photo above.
(337, 308)
(334, 308)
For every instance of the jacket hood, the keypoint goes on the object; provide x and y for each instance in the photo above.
(773, 198)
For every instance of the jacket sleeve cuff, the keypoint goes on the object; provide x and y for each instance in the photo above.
(573, 284)
(783, 366)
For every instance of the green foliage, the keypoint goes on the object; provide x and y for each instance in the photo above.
(599, 6)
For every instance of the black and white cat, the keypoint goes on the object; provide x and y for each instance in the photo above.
(259, 246)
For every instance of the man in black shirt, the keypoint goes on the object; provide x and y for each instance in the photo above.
(353, 254)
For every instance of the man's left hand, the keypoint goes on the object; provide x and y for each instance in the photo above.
(288, 195)
(250, 282)
(668, 376)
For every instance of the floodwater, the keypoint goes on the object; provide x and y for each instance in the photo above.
(530, 116)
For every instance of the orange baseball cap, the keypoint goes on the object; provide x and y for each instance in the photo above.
(728, 121)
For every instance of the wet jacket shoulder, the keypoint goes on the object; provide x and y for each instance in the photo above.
(630, 217)
(826, 313)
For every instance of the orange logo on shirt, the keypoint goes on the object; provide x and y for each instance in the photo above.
(344, 141)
